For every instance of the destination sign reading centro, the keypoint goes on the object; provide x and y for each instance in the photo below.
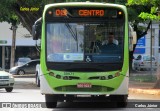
(83, 13)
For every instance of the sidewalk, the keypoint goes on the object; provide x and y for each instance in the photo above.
(142, 87)
(25, 76)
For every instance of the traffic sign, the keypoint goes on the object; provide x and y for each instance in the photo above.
(141, 42)
(3, 41)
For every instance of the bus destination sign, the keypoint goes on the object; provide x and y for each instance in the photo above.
(81, 13)
(69, 12)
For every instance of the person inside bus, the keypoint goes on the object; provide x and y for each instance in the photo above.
(110, 45)
(110, 40)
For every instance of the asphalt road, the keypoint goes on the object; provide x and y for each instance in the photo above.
(26, 91)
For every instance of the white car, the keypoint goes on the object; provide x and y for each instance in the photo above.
(6, 80)
(143, 62)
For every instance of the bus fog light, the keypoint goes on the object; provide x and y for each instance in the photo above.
(58, 76)
(110, 77)
(102, 77)
(66, 78)
(51, 74)
(117, 74)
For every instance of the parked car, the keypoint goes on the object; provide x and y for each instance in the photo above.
(37, 73)
(28, 68)
(142, 62)
(6, 80)
(23, 60)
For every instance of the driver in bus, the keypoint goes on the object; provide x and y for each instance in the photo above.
(110, 45)
(110, 40)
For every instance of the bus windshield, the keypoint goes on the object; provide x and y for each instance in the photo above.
(96, 42)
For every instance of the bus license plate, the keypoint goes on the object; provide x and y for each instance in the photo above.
(84, 85)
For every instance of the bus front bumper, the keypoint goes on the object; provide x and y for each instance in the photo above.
(99, 87)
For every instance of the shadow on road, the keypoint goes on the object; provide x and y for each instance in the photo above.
(86, 106)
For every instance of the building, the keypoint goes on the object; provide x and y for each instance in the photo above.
(144, 44)
(25, 46)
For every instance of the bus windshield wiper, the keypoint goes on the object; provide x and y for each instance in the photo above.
(74, 34)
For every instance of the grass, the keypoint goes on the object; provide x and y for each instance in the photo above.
(143, 78)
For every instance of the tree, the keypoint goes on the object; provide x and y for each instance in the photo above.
(11, 10)
(151, 14)
(135, 20)
(154, 5)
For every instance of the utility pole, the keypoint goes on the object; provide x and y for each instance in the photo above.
(13, 28)
(3, 57)
(151, 50)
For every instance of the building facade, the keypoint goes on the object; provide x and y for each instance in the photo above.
(25, 46)
(144, 45)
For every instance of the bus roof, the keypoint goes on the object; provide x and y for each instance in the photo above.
(86, 4)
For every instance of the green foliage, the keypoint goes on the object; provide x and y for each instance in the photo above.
(132, 14)
(154, 10)
(153, 5)
(143, 2)
(148, 16)
(6, 14)
(9, 8)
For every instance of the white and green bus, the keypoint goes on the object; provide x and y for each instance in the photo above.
(84, 52)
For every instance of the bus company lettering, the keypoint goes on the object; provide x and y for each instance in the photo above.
(91, 13)
(61, 12)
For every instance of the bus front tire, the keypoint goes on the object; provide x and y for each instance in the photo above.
(51, 101)
(37, 80)
(120, 100)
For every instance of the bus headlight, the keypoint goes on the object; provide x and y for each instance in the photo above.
(117, 74)
(110, 77)
(102, 77)
(66, 78)
(51, 74)
(58, 76)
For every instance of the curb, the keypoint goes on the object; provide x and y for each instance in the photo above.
(145, 91)
(24, 76)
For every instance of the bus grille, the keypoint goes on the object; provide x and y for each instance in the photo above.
(73, 88)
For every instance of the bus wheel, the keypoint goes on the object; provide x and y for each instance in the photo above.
(51, 101)
(37, 81)
(20, 72)
(119, 100)
(122, 101)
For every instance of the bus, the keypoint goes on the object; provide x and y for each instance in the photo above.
(84, 54)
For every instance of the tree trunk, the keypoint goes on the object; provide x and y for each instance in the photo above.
(13, 46)
(157, 84)
(139, 35)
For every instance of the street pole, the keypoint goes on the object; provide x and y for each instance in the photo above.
(151, 51)
(3, 57)
(13, 28)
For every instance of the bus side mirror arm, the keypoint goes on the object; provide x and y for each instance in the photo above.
(34, 33)
(36, 29)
